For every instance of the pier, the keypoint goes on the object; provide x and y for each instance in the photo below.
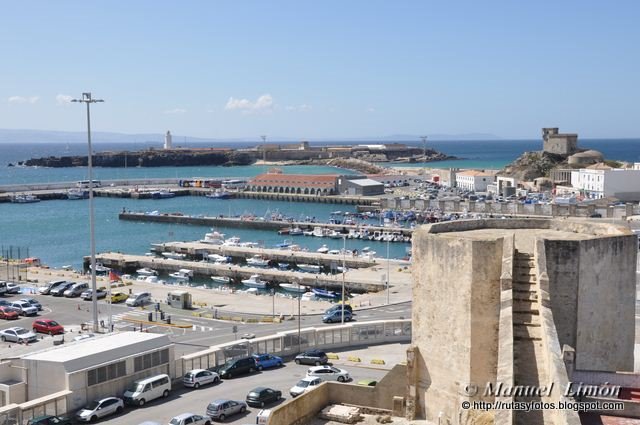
(254, 224)
(357, 280)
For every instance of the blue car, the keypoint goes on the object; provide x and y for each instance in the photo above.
(264, 361)
(336, 316)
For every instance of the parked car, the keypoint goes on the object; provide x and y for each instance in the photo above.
(100, 408)
(260, 396)
(147, 389)
(336, 316)
(117, 297)
(49, 420)
(87, 295)
(329, 373)
(237, 367)
(24, 308)
(223, 408)
(58, 291)
(197, 377)
(267, 360)
(76, 289)
(46, 289)
(13, 288)
(47, 326)
(140, 298)
(303, 385)
(8, 313)
(190, 419)
(35, 303)
(314, 357)
(17, 334)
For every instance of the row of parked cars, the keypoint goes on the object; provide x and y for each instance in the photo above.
(59, 288)
(23, 307)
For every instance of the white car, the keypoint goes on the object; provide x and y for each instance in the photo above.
(141, 298)
(328, 373)
(24, 308)
(17, 334)
(304, 384)
(190, 419)
(100, 408)
(197, 377)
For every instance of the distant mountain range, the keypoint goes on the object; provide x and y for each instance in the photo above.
(40, 136)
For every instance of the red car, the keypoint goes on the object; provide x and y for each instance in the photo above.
(47, 326)
(8, 313)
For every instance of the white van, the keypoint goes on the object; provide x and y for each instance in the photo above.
(140, 298)
(147, 389)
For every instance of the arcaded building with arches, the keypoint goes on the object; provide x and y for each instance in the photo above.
(302, 184)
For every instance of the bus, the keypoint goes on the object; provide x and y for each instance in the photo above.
(84, 184)
(234, 184)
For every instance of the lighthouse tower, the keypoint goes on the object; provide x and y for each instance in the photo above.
(167, 140)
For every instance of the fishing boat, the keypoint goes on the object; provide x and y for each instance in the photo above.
(182, 275)
(75, 194)
(309, 268)
(213, 238)
(174, 255)
(232, 241)
(335, 235)
(295, 231)
(162, 194)
(145, 271)
(285, 244)
(323, 293)
(257, 261)
(24, 199)
(100, 269)
(221, 279)
(323, 249)
(218, 259)
(283, 266)
(148, 279)
(318, 232)
(307, 232)
(219, 194)
(293, 287)
(255, 282)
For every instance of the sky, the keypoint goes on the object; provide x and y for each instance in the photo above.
(326, 69)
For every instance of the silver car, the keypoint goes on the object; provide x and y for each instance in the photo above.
(223, 408)
(190, 419)
(99, 409)
(197, 377)
(17, 334)
(33, 302)
(24, 308)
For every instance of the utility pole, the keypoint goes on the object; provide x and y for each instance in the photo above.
(86, 98)
(344, 252)
(424, 147)
(264, 150)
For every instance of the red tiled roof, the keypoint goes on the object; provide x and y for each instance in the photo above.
(295, 180)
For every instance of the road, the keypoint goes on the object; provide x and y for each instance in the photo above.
(183, 400)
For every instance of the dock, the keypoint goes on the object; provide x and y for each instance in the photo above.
(356, 280)
(198, 251)
(253, 224)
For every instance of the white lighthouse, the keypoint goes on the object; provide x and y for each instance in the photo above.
(167, 140)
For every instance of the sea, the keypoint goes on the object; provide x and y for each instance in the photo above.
(58, 231)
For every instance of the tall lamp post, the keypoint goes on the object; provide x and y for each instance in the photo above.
(344, 253)
(388, 272)
(299, 299)
(86, 98)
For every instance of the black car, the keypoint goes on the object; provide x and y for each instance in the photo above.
(338, 307)
(260, 396)
(49, 420)
(58, 291)
(313, 357)
(237, 367)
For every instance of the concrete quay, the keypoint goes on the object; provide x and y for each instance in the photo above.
(199, 251)
(355, 280)
(252, 224)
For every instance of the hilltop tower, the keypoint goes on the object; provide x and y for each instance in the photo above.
(167, 140)
(559, 143)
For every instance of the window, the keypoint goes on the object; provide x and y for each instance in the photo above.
(106, 373)
(149, 360)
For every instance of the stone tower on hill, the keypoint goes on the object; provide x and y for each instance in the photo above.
(559, 143)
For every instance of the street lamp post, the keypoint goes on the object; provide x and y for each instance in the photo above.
(299, 299)
(344, 252)
(388, 272)
(86, 98)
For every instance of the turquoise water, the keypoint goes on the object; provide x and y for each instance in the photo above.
(58, 231)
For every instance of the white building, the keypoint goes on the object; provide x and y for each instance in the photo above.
(476, 181)
(167, 140)
(601, 181)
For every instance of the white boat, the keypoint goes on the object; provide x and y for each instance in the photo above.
(335, 235)
(174, 255)
(294, 287)
(323, 249)
(255, 282)
(77, 194)
(249, 244)
(162, 194)
(221, 279)
(307, 232)
(100, 269)
(296, 231)
(148, 279)
(257, 261)
(334, 252)
(213, 238)
(24, 199)
(182, 275)
(218, 259)
(146, 272)
(232, 241)
(318, 232)
(310, 268)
